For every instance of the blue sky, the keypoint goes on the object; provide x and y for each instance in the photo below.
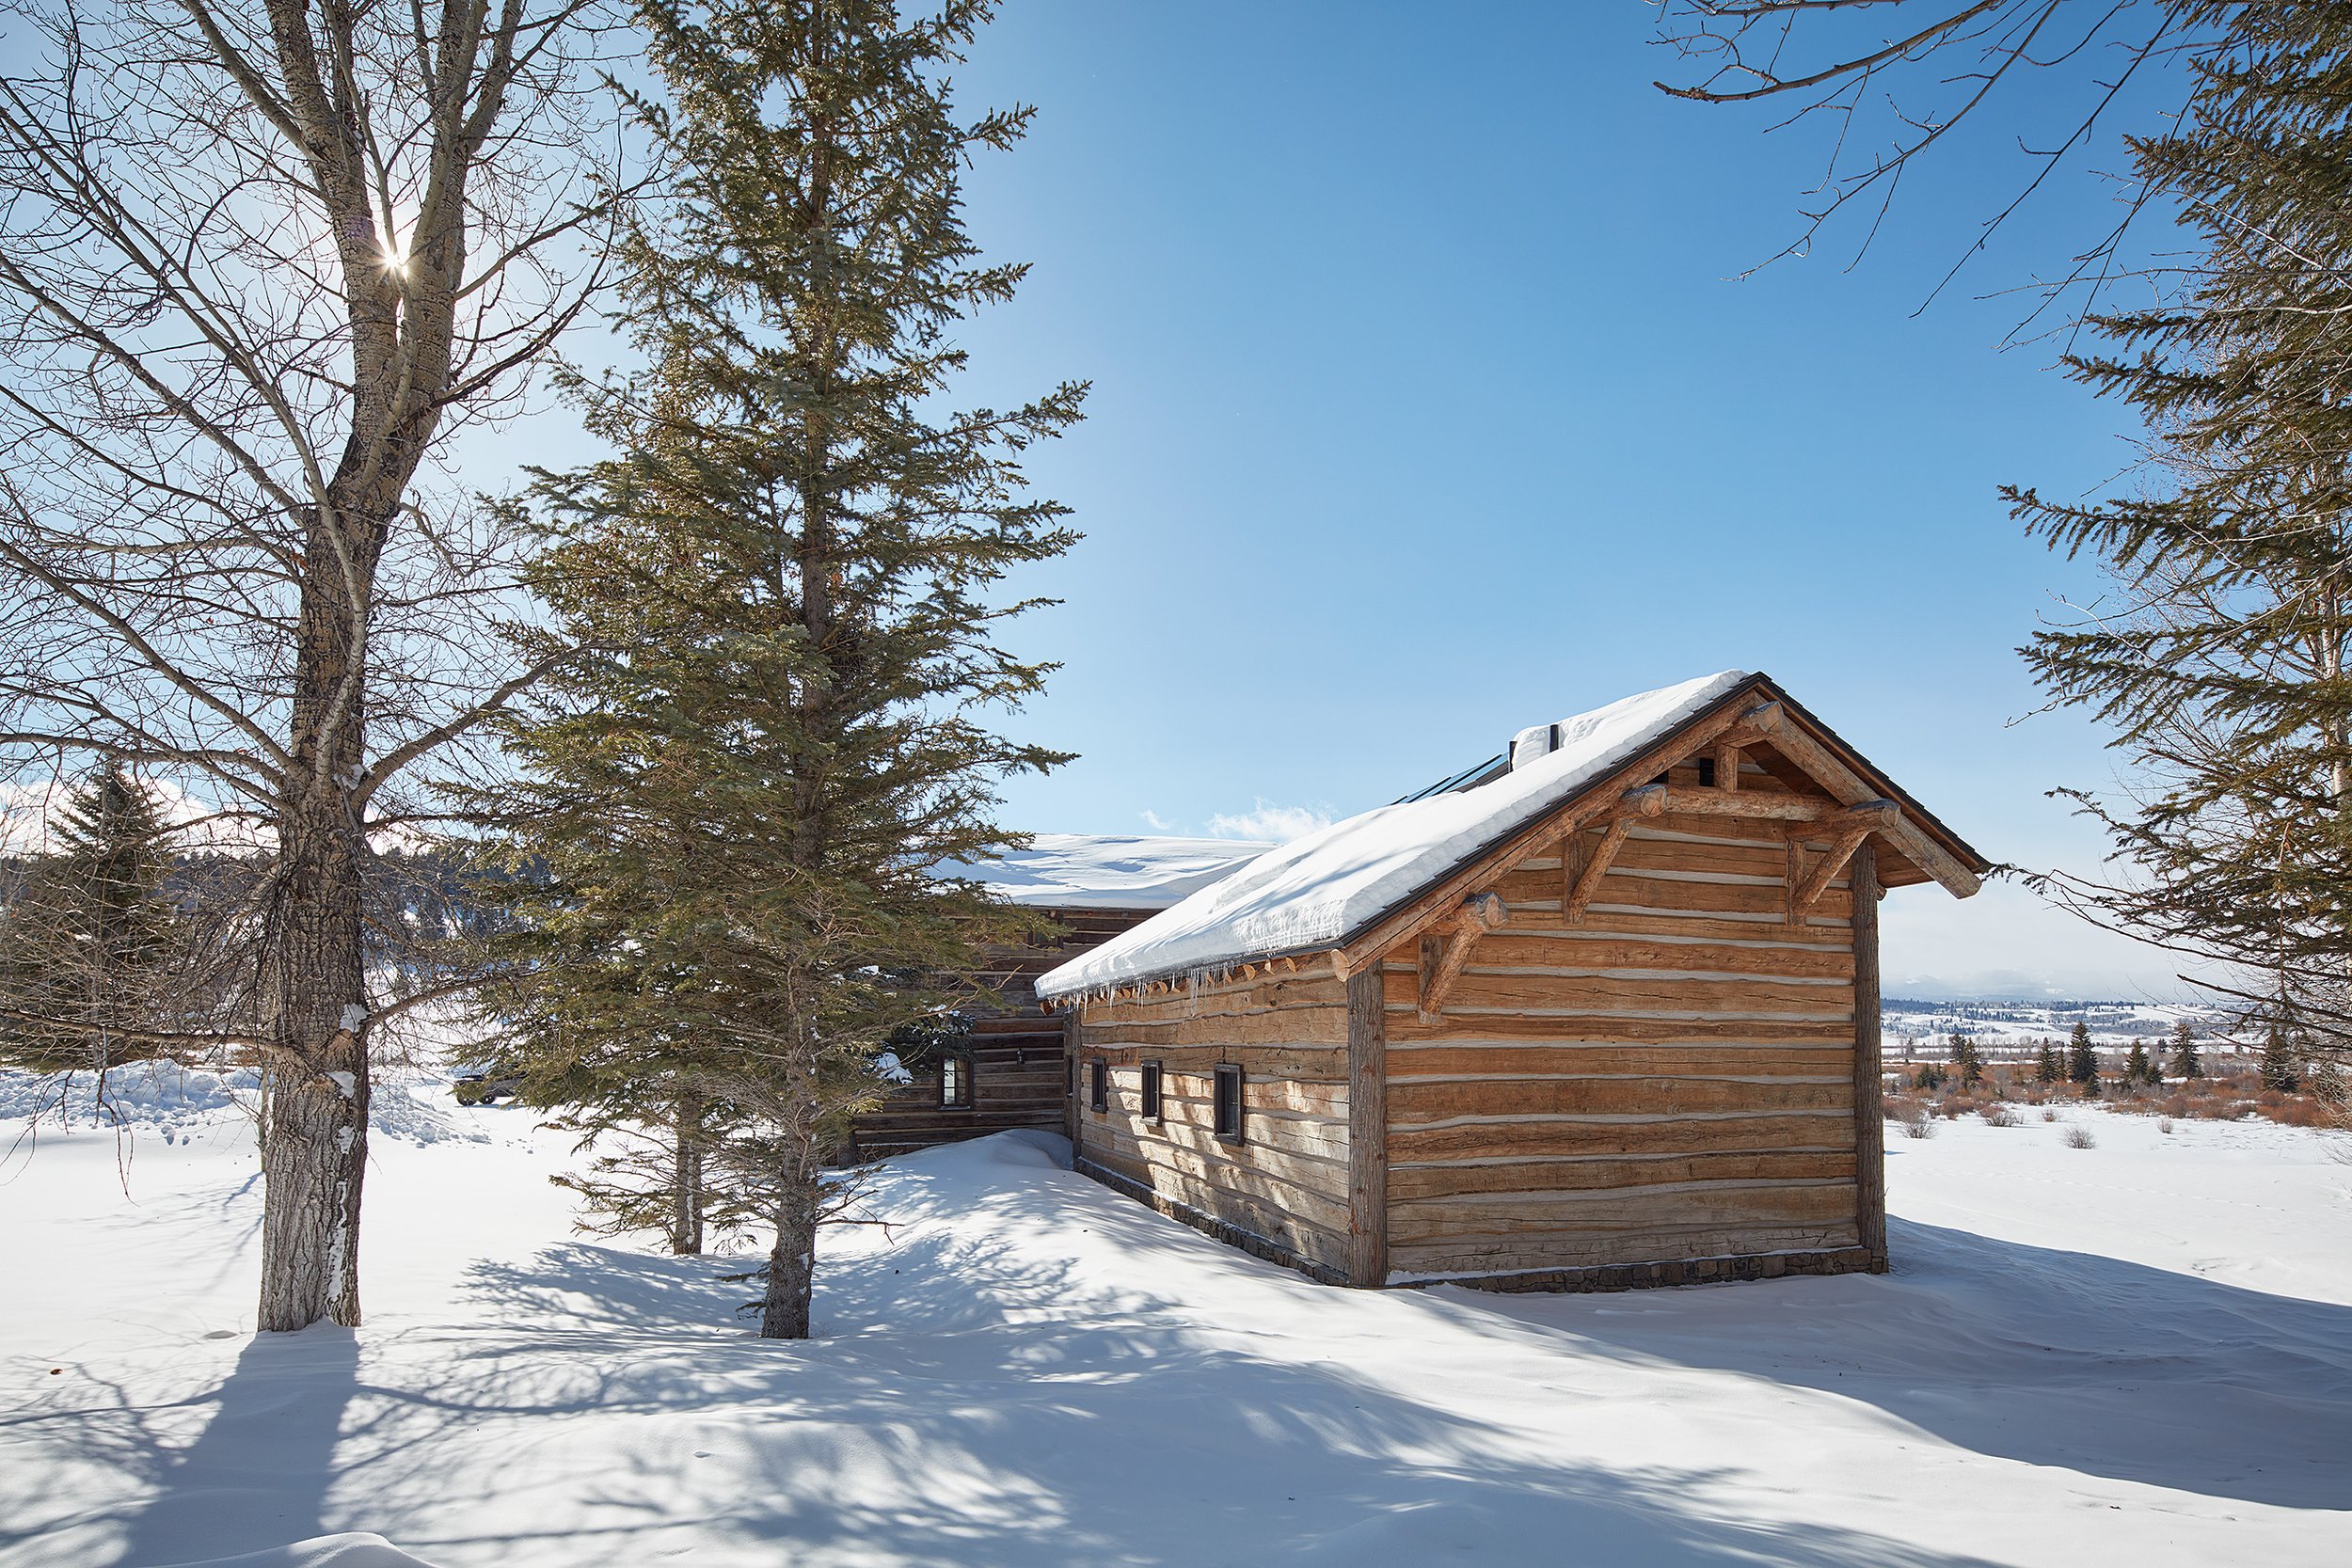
(1426, 405)
(1429, 403)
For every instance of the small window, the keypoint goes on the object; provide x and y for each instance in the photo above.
(1151, 1092)
(1707, 772)
(1099, 1084)
(1228, 1103)
(955, 1081)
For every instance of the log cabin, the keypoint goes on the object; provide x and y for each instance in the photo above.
(1600, 1014)
(1012, 1069)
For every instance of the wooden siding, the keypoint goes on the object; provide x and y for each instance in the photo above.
(1670, 1078)
(1286, 1183)
(1019, 1056)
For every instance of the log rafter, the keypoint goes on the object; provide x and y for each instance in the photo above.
(1851, 826)
(1650, 800)
(1445, 949)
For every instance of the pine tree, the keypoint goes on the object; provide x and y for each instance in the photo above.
(1966, 1061)
(85, 941)
(2047, 1069)
(2219, 661)
(2278, 1063)
(2082, 1059)
(2185, 1062)
(2138, 1068)
(785, 590)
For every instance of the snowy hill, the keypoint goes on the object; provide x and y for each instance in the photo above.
(2006, 1023)
(1028, 1370)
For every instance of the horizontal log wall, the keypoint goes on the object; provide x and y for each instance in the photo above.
(1285, 1185)
(1668, 1079)
(1019, 1056)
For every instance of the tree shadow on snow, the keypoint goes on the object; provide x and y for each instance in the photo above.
(2053, 1357)
(255, 1475)
(981, 1403)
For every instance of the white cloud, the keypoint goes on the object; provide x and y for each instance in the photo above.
(1153, 820)
(1266, 820)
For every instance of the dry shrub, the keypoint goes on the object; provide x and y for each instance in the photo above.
(2049, 1115)
(2079, 1137)
(2001, 1116)
(2176, 1106)
(1953, 1107)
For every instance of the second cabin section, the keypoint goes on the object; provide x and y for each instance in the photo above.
(1603, 1014)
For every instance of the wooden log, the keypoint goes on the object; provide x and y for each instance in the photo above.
(1405, 1027)
(1751, 805)
(1071, 1120)
(1727, 1206)
(1482, 988)
(1421, 1104)
(1631, 1173)
(1426, 1063)
(1728, 753)
(1596, 859)
(1543, 920)
(1586, 950)
(1367, 1133)
(1906, 836)
(1868, 1113)
(1479, 914)
(1501, 1254)
(1472, 1142)
(1303, 1028)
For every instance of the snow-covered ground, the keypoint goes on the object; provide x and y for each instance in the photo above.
(2137, 1354)
(2113, 1026)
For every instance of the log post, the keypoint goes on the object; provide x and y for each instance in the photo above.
(1870, 1117)
(1070, 1119)
(1367, 1130)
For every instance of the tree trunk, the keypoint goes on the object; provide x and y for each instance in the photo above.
(792, 1262)
(686, 1197)
(315, 1123)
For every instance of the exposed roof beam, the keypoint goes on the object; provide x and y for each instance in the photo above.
(1476, 916)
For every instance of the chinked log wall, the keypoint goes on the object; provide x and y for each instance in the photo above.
(1669, 1077)
(1019, 1058)
(1282, 1191)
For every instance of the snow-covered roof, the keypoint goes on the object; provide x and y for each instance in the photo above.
(1117, 871)
(1313, 893)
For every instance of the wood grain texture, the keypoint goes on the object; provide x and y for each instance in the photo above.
(1413, 1105)
(1465, 1143)
(1367, 1132)
(1869, 1112)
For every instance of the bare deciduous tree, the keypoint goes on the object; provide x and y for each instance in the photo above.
(259, 261)
(1892, 79)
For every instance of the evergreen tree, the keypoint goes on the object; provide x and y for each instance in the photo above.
(2138, 1068)
(84, 944)
(784, 588)
(2219, 661)
(2082, 1059)
(2047, 1068)
(2185, 1062)
(1967, 1064)
(2277, 1063)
